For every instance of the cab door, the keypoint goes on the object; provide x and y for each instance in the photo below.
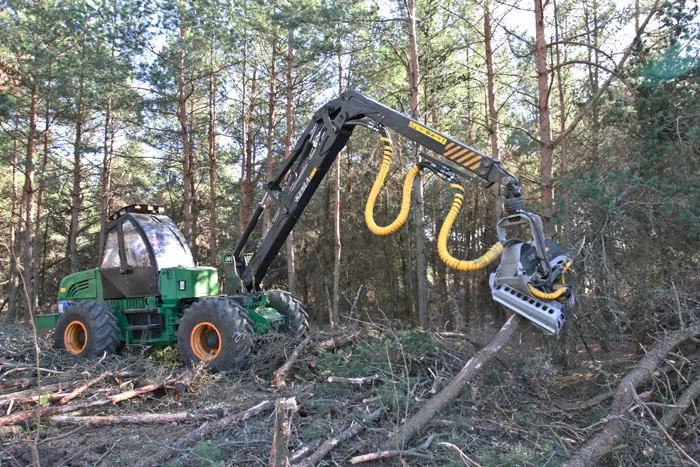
(113, 277)
(139, 270)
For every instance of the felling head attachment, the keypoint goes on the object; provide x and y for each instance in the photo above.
(530, 277)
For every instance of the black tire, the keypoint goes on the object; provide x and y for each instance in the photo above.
(87, 329)
(218, 331)
(296, 320)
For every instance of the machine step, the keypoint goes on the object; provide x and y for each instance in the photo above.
(140, 311)
(142, 327)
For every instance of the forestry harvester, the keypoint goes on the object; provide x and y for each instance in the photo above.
(147, 289)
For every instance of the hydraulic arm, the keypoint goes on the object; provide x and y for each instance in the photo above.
(296, 181)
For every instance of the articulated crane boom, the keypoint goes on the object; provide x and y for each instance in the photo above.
(529, 280)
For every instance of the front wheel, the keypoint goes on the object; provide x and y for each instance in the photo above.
(216, 331)
(87, 329)
(296, 320)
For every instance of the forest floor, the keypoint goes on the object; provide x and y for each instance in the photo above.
(522, 410)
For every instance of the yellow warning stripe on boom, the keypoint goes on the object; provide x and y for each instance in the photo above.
(429, 133)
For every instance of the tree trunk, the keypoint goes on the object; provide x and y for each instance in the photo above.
(491, 98)
(76, 194)
(193, 178)
(421, 259)
(546, 146)
(410, 428)
(184, 133)
(272, 99)
(211, 140)
(106, 179)
(335, 312)
(279, 454)
(29, 265)
(15, 221)
(291, 270)
(616, 429)
(40, 200)
(563, 154)
(248, 180)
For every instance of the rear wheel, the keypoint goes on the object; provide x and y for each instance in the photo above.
(296, 320)
(87, 329)
(217, 331)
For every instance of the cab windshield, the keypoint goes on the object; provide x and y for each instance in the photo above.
(168, 243)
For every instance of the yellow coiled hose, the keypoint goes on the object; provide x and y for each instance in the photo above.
(454, 263)
(378, 183)
(556, 295)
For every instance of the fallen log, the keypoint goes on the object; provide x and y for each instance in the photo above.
(593, 401)
(671, 417)
(167, 452)
(338, 342)
(44, 411)
(14, 367)
(353, 381)
(15, 383)
(304, 450)
(279, 454)
(354, 429)
(410, 428)
(373, 456)
(81, 389)
(615, 430)
(286, 369)
(663, 430)
(19, 396)
(133, 419)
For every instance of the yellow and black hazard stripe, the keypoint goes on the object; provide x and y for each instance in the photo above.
(462, 156)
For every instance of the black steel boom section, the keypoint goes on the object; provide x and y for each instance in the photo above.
(296, 181)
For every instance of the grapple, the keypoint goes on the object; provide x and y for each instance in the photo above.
(530, 277)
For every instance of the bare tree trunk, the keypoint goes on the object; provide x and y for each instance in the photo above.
(335, 312)
(28, 272)
(186, 149)
(410, 428)
(563, 155)
(106, 176)
(279, 454)
(440, 267)
(616, 429)
(291, 270)
(272, 99)
(193, 178)
(76, 193)
(242, 219)
(491, 98)
(40, 200)
(211, 139)
(249, 184)
(421, 259)
(15, 222)
(545, 134)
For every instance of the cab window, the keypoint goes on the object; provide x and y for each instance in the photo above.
(134, 247)
(169, 246)
(110, 257)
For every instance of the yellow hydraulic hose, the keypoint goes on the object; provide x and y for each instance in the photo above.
(556, 295)
(454, 263)
(378, 183)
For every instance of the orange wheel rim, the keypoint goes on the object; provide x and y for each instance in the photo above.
(75, 337)
(205, 341)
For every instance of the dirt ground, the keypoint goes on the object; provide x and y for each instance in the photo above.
(521, 411)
